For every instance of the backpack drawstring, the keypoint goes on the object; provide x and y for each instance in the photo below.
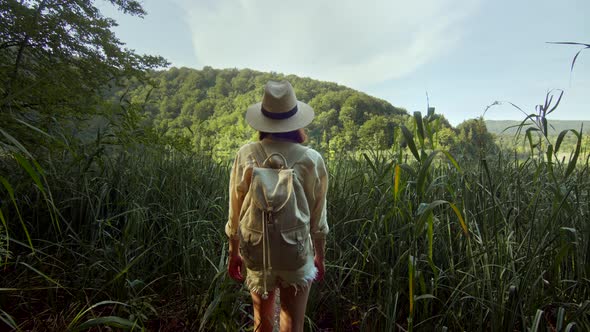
(266, 265)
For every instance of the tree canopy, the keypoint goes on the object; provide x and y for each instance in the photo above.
(57, 57)
(208, 106)
(61, 62)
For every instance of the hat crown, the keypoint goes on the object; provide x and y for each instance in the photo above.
(279, 111)
(279, 97)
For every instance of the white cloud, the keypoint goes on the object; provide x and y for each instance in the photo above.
(350, 42)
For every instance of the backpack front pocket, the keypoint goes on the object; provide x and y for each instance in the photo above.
(294, 248)
(251, 248)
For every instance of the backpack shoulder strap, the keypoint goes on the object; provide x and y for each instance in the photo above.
(259, 154)
(262, 156)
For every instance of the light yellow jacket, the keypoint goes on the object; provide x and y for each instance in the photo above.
(309, 169)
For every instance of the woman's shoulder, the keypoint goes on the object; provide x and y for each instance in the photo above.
(246, 148)
(246, 155)
(312, 158)
(304, 154)
(313, 154)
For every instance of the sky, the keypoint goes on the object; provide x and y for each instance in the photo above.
(463, 54)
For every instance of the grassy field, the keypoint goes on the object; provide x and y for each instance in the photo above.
(132, 237)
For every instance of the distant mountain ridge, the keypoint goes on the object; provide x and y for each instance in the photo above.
(499, 127)
(207, 107)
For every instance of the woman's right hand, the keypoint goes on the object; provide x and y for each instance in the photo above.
(234, 268)
(319, 264)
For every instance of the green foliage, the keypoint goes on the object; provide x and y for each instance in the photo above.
(509, 127)
(207, 106)
(109, 217)
(467, 246)
(474, 140)
(56, 57)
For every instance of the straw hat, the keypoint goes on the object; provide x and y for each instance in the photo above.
(279, 111)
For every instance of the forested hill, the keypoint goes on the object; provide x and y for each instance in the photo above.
(499, 127)
(207, 107)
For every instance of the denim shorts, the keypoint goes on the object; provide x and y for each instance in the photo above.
(300, 278)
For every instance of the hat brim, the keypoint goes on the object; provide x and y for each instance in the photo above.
(258, 121)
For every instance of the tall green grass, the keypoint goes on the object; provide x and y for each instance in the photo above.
(131, 236)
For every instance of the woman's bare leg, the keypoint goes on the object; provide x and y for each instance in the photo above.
(263, 312)
(293, 306)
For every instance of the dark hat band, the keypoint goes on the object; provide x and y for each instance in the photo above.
(279, 116)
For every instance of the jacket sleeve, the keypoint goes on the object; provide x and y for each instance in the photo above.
(236, 198)
(319, 220)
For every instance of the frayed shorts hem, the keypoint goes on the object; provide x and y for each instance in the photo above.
(300, 279)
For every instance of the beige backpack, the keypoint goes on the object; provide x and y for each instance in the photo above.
(274, 220)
